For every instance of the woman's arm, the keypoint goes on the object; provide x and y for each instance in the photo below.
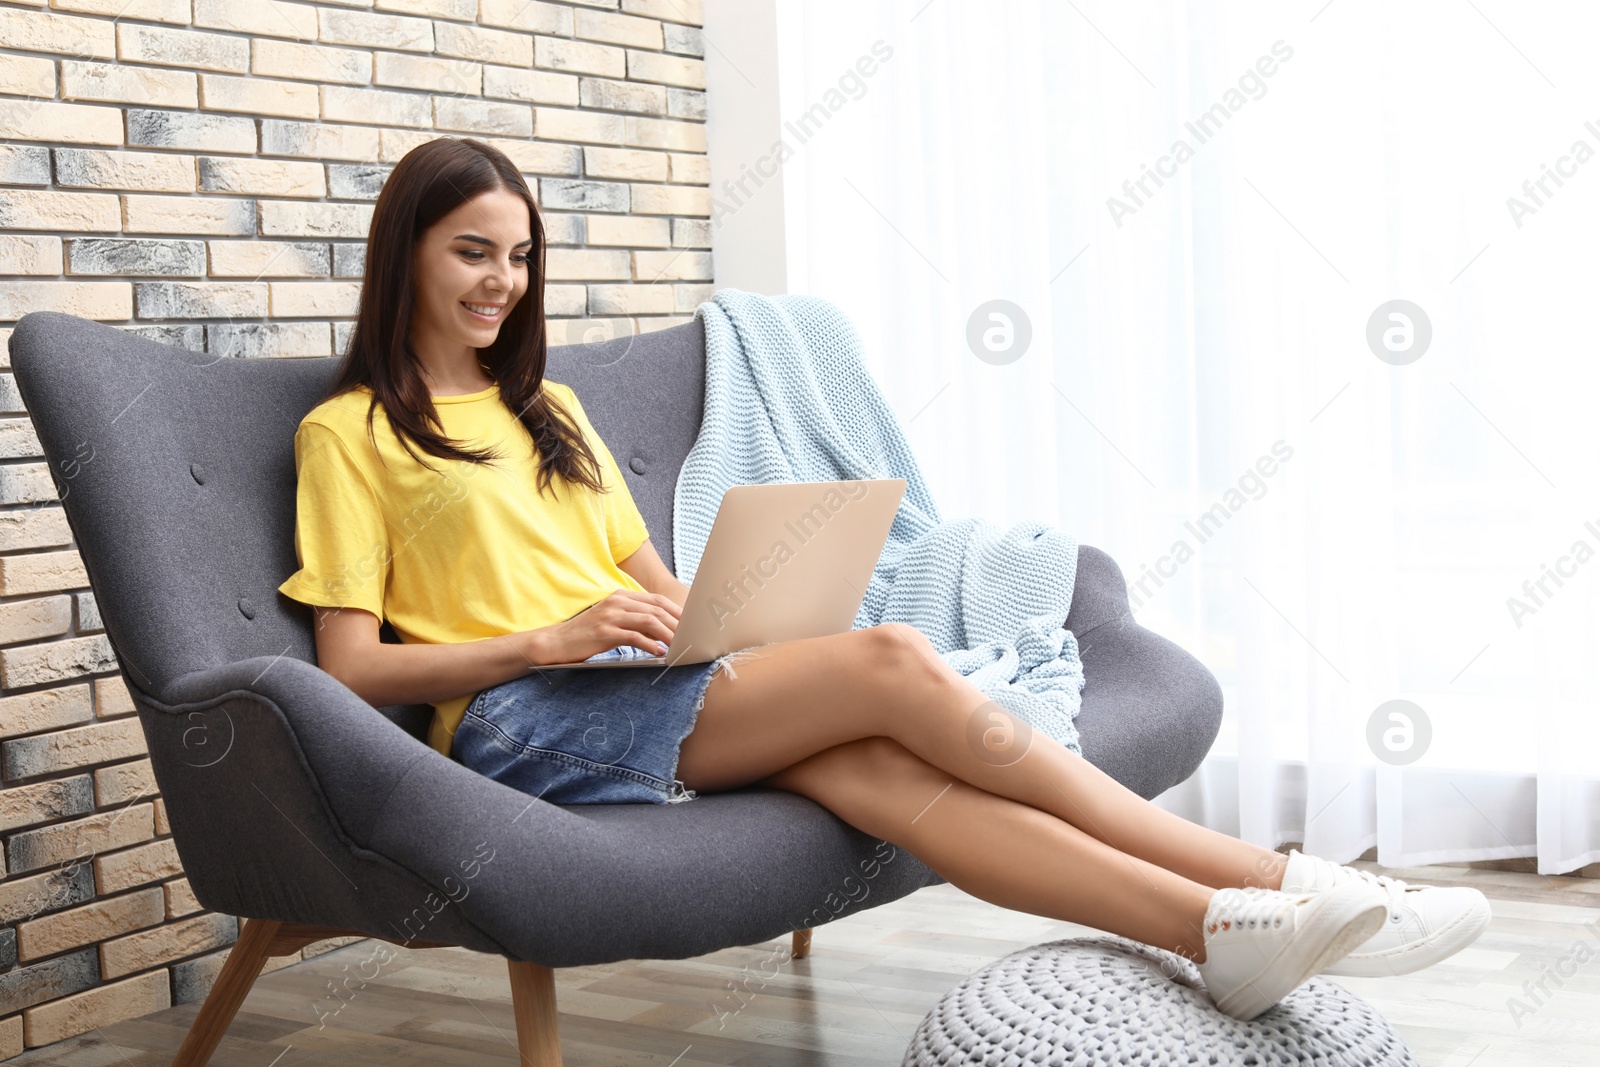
(645, 566)
(383, 674)
(348, 647)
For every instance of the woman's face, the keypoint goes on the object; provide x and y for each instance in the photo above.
(471, 268)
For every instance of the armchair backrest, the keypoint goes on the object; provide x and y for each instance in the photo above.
(176, 472)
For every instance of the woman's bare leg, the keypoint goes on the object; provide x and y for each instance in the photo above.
(793, 699)
(1007, 853)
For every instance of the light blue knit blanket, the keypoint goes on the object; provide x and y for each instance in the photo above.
(789, 399)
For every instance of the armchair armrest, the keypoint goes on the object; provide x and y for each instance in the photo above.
(276, 777)
(307, 805)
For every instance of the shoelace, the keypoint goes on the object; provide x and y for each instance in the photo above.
(1251, 907)
(1392, 886)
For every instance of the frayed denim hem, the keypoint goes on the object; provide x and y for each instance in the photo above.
(679, 791)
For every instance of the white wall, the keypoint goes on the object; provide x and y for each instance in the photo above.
(743, 126)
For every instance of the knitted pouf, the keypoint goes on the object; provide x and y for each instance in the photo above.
(1111, 1000)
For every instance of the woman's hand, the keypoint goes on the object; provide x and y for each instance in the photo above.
(625, 617)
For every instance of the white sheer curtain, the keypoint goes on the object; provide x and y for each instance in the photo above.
(1326, 529)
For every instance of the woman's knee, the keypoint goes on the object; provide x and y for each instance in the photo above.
(901, 670)
(903, 649)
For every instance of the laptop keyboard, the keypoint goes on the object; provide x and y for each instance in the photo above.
(622, 652)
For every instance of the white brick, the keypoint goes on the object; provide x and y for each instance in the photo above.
(262, 177)
(691, 169)
(186, 129)
(691, 233)
(488, 46)
(686, 104)
(688, 11)
(255, 339)
(618, 29)
(534, 86)
(539, 157)
(123, 257)
(630, 231)
(432, 73)
(686, 40)
(200, 300)
(188, 215)
(91, 300)
(67, 35)
(679, 266)
(380, 107)
(148, 10)
(182, 48)
(580, 57)
(665, 133)
(145, 172)
(45, 120)
(563, 229)
(268, 259)
(27, 76)
(259, 96)
(671, 200)
(24, 165)
(290, 219)
(557, 124)
(315, 299)
(530, 15)
(564, 300)
(25, 209)
(564, 194)
(309, 62)
(631, 300)
(466, 10)
(626, 163)
(376, 31)
(608, 94)
(318, 140)
(268, 18)
(30, 254)
(578, 264)
(127, 84)
(669, 70)
(690, 297)
(482, 116)
(24, 483)
(396, 143)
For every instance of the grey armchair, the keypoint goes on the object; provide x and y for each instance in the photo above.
(310, 814)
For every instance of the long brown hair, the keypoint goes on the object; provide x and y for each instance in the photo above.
(432, 180)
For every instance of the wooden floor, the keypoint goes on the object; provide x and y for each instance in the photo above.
(857, 999)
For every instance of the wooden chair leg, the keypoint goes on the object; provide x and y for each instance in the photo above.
(802, 944)
(533, 991)
(533, 1005)
(239, 972)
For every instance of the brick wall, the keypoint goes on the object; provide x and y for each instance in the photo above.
(203, 172)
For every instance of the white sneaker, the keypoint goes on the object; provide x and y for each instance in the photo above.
(1425, 924)
(1262, 943)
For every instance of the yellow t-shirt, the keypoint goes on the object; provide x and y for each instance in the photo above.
(467, 553)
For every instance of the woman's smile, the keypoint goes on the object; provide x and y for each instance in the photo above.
(483, 312)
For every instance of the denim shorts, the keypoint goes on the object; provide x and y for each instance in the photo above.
(575, 736)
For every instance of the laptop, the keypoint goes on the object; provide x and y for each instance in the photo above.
(784, 561)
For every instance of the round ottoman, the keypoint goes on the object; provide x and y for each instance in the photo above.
(1112, 1000)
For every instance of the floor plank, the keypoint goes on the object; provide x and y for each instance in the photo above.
(857, 999)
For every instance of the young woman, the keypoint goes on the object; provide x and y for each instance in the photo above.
(447, 487)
